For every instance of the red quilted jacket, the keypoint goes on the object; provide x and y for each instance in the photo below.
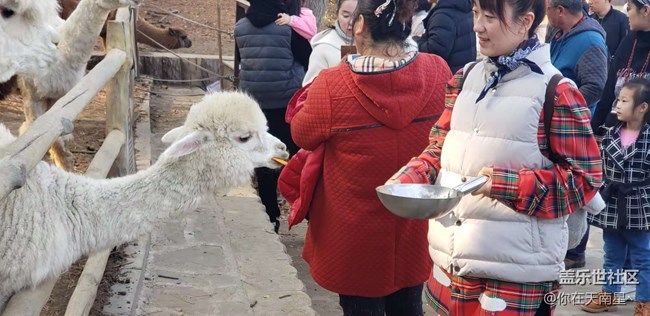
(369, 126)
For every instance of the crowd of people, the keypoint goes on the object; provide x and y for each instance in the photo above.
(394, 92)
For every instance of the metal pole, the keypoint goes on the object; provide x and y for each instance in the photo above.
(134, 33)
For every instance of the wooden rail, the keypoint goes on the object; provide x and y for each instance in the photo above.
(116, 155)
(118, 148)
(85, 292)
(21, 156)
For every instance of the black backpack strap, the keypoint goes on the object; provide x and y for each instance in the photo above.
(466, 73)
(549, 109)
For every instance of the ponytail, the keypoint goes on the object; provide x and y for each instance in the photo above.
(387, 20)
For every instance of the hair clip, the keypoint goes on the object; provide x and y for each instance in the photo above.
(392, 17)
(380, 9)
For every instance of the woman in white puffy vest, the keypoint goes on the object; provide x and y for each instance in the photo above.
(501, 249)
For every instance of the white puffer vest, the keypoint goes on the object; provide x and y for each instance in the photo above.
(482, 237)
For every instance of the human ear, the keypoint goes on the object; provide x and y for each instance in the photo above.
(359, 26)
(527, 21)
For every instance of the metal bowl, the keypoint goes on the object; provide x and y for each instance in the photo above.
(424, 201)
(418, 201)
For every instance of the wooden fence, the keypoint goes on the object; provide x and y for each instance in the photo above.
(116, 155)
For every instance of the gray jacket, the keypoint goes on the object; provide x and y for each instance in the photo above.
(269, 71)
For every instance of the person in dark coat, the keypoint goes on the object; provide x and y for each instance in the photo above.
(614, 22)
(271, 72)
(449, 33)
(630, 61)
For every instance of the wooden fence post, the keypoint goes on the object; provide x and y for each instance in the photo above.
(119, 92)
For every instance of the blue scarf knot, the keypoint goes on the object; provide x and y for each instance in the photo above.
(508, 63)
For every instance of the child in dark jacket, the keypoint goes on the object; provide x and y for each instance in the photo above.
(626, 219)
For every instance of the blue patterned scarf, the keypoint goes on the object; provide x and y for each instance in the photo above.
(508, 63)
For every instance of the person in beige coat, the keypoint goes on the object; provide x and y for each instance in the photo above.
(326, 45)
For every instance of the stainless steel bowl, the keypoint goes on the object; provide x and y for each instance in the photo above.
(424, 201)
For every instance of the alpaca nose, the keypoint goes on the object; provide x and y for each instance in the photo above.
(282, 149)
(187, 41)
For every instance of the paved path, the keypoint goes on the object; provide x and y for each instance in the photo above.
(221, 259)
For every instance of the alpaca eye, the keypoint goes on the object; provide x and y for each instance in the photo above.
(244, 139)
(7, 13)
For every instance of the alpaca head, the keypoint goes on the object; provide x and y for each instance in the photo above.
(181, 36)
(28, 34)
(224, 138)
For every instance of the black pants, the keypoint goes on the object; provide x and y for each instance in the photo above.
(543, 310)
(267, 179)
(405, 302)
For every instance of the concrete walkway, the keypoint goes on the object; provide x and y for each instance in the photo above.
(221, 259)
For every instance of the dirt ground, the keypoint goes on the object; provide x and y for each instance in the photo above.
(204, 39)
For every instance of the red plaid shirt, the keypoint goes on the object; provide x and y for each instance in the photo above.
(544, 193)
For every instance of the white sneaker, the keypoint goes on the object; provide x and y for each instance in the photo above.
(629, 291)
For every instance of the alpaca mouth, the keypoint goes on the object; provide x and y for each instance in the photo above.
(187, 43)
(280, 161)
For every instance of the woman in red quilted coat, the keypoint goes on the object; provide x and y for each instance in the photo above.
(372, 114)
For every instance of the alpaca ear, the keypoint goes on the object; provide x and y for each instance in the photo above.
(175, 134)
(188, 144)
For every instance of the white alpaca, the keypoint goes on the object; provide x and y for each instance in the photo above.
(55, 77)
(28, 34)
(57, 217)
